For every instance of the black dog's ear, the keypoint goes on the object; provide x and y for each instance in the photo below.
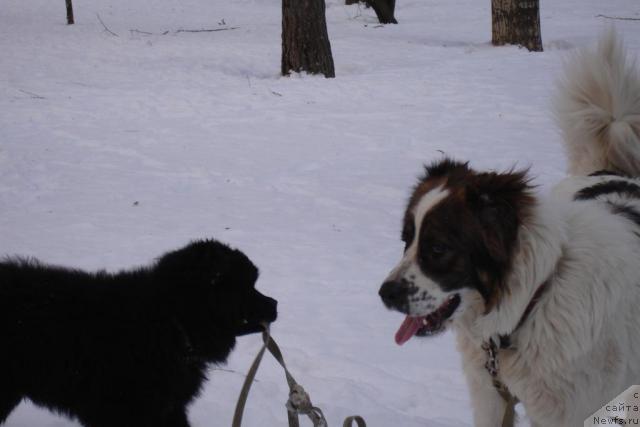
(501, 202)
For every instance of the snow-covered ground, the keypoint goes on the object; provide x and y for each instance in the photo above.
(114, 149)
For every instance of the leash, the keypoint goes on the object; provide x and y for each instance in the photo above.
(491, 349)
(299, 402)
(492, 367)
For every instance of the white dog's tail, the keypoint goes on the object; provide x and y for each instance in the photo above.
(598, 109)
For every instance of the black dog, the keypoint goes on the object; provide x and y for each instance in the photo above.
(126, 349)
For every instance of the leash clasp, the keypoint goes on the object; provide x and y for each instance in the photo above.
(491, 364)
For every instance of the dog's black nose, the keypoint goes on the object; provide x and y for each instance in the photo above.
(393, 294)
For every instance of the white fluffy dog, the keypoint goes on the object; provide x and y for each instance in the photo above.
(542, 291)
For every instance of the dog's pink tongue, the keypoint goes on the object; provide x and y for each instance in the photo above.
(408, 329)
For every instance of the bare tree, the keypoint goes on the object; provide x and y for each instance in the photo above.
(69, 12)
(305, 42)
(516, 22)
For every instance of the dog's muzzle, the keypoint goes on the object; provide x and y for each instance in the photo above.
(265, 311)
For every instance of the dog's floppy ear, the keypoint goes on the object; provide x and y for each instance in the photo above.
(501, 202)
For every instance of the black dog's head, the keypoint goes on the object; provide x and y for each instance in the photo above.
(213, 290)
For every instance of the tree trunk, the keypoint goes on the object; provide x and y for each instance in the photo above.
(305, 43)
(69, 12)
(516, 22)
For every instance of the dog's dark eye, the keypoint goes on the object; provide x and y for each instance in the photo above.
(437, 250)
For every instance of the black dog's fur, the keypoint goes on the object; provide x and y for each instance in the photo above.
(126, 349)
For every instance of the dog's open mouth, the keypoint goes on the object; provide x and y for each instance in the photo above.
(430, 324)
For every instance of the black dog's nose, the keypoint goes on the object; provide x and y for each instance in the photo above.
(393, 294)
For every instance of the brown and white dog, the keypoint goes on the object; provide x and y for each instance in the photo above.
(542, 291)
